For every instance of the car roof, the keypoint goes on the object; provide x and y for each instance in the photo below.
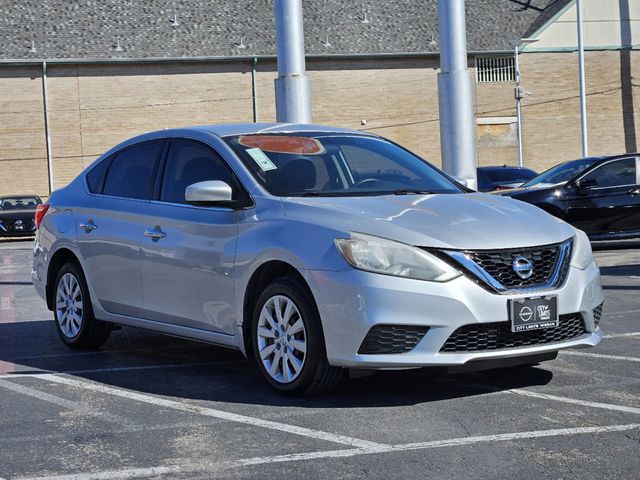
(502, 167)
(223, 130)
(22, 195)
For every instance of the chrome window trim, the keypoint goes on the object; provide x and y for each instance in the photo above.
(462, 258)
(591, 170)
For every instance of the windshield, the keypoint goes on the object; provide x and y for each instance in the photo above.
(561, 173)
(318, 164)
(19, 203)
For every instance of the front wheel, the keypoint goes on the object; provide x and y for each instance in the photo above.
(288, 342)
(75, 322)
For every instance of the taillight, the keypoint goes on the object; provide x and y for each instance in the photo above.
(41, 211)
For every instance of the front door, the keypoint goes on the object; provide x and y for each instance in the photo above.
(610, 201)
(188, 252)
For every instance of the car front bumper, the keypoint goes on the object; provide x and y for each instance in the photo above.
(352, 301)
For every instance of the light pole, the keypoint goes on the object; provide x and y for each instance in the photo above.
(455, 99)
(583, 95)
(518, 92)
(293, 92)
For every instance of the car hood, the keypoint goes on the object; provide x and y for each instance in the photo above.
(17, 214)
(514, 192)
(456, 221)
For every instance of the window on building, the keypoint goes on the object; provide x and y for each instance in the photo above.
(495, 69)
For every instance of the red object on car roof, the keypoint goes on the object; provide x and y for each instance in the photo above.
(283, 144)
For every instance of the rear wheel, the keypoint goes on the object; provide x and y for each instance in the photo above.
(288, 342)
(74, 319)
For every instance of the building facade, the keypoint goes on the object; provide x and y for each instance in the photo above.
(70, 90)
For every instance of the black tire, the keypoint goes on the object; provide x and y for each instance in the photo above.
(92, 333)
(316, 375)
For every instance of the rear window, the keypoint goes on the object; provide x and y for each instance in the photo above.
(510, 175)
(132, 172)
(19, 203)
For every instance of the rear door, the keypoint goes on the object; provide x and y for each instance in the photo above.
(612, 203)
(188, 252)
(109, 229)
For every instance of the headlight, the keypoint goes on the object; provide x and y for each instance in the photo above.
(379, 255)
(582, 255)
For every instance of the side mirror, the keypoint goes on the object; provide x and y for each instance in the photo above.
(209, 193)
(583, 185)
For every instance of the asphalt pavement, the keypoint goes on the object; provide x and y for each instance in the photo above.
(152, 406)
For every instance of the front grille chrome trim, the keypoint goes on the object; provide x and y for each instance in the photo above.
(463, 259)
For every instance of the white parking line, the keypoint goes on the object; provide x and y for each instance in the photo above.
(296, 457)
(556, 398)
(622, 313)
(622, 335)
(64, 403)
(600, 355)
(575, 401)
(210, 412)
(119, 369)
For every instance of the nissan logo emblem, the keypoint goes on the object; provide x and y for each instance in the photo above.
(522, 266)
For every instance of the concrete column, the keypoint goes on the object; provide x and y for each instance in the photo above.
(293, 92)
(455, 99)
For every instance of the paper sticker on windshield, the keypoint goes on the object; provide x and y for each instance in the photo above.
(261, 159)
(284, 144)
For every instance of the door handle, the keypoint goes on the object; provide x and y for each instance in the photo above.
(635, 192)
(87, 227)
(154, 234)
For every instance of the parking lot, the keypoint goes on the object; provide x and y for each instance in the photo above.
(151, 406)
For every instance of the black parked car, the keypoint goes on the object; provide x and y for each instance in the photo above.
(600, 195)
(17, 215)
(503, 178)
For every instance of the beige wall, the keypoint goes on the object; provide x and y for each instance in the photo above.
(93, 107)
(607, 23)
(551, 114)
(23, 154)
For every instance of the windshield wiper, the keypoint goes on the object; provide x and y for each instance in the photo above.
(407, 191)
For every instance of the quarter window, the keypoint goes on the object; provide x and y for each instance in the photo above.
(189, 163)
(614, 174)
(132, 172)
(95, 177)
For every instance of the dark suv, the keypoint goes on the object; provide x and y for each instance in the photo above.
(17, 215)
(600, 195)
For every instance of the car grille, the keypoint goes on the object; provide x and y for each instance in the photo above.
(494, 269)
(10, 225)
(383, 339)
(597, 314)
(498, 335)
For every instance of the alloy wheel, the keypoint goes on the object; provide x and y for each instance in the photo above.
(282, 339)
(69, 308)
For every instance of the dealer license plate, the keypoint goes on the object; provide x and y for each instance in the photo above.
(533, 313)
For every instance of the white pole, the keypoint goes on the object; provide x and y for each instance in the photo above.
(583, 95)
(457, 121)
(518, 95)
(47, 132)
(293, 92)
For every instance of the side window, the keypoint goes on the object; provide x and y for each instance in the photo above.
(95, 177)
(132, 172)
(614, 174)
(188, 163)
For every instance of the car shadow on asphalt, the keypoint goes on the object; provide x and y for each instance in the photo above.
(214, 374)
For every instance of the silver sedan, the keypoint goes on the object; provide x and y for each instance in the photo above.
(312, 250)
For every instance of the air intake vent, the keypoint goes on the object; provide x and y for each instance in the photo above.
(383, 339)
(498, 335)
(495, 69)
